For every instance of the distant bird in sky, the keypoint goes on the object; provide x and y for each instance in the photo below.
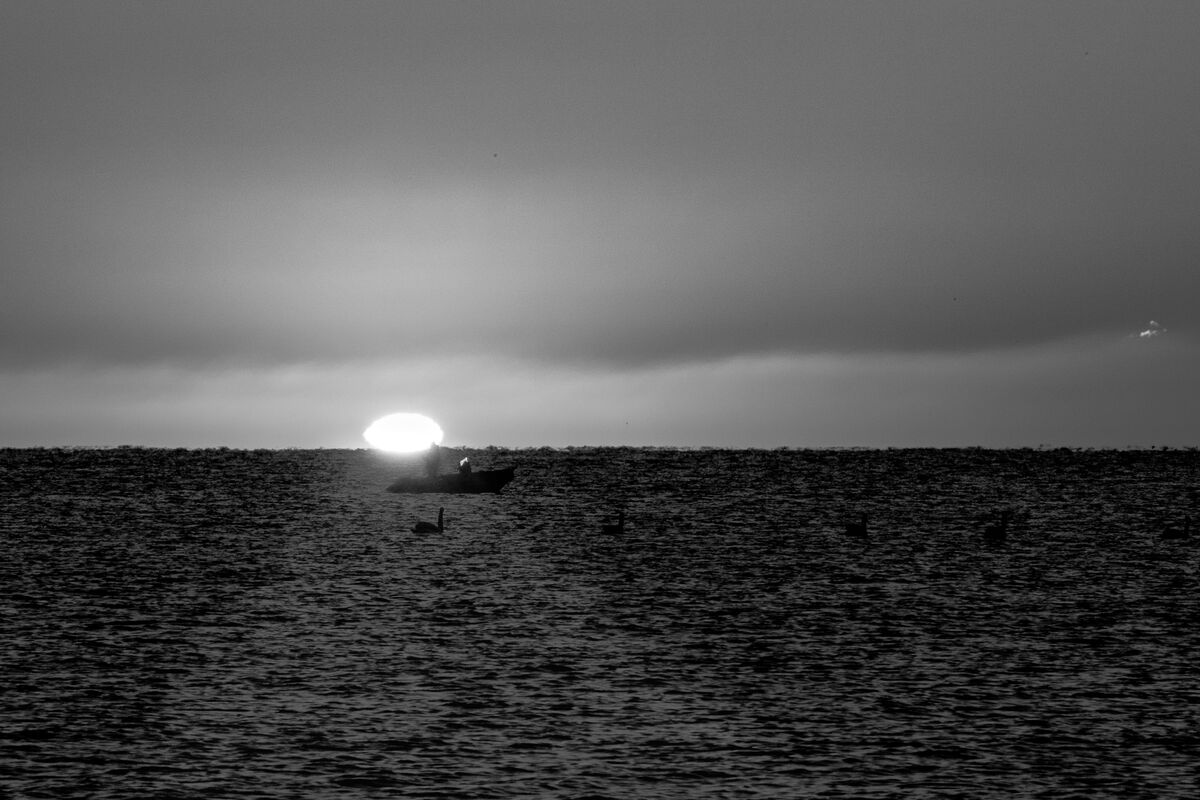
(994, 534)
(858, 530)
(1178, 533)
(1152, 330)
(618, 528)
(429, 527)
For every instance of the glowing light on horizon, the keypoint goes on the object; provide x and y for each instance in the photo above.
(403, 433)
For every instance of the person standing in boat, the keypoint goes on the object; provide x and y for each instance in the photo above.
(433, 460)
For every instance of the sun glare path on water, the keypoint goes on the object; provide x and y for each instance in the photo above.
(403, 433)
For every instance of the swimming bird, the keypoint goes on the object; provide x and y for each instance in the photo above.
(618, 528)
(858, 530)
(1178, 533)
(994, 534)
(429, 527)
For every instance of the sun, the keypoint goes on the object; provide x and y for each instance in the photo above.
(403, 433)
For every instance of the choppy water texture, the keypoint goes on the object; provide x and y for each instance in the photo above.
(265, 624)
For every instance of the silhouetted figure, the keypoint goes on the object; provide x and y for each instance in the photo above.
(857, 530)
(615, 529)
(464, 466)
(429, 527)
(1175, 534)
(433, 460)
(995, 534)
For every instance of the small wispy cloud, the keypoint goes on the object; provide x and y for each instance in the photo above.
(1152, 329)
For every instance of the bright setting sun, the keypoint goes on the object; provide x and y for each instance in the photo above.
(403, 433)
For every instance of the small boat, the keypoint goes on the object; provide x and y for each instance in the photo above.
(475, 482)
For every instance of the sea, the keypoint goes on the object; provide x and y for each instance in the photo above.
(222, 623)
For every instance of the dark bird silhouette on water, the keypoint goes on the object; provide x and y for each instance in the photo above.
(616, 529)
(1178, 533)
(857, 530)
(994, 534)
(429, 527)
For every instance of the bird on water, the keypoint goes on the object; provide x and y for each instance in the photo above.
(1179, 533)
(857, 530)
(618, 528)
(429, 527)
(995, 534)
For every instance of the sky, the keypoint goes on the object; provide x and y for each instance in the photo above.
(727, 224)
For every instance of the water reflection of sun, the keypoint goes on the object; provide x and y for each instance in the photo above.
(403, 433)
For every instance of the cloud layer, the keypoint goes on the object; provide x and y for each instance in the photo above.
(1101, 392)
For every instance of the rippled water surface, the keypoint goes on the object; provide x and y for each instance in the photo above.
(219, 623)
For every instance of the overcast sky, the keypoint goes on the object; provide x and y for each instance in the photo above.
(669, 223)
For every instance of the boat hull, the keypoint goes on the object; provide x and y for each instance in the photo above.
(485, 481)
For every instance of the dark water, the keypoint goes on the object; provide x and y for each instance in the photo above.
(237, 624)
